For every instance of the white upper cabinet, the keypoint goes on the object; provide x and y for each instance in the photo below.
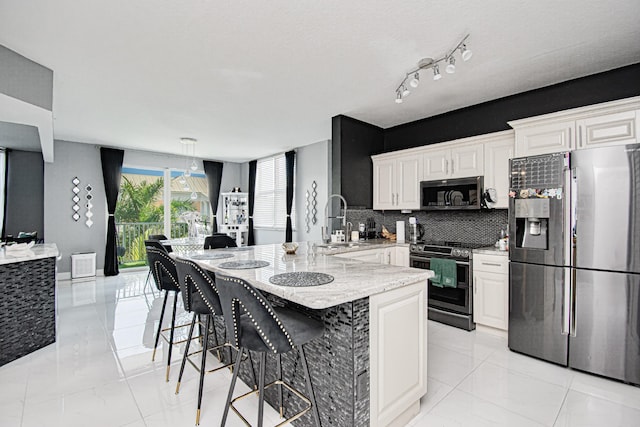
(609, 129)
(545, 138)
(609, 123)
(384, 183)
(436, 164)
(408, 173)
(457, 161)
(396, 181)
(497, 152)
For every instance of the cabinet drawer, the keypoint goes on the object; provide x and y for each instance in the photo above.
(491, 263)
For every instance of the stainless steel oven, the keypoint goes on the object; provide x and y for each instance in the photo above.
(453, 306)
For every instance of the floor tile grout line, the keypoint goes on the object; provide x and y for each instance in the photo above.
(484, 399)
(515, 371)
(564, 400)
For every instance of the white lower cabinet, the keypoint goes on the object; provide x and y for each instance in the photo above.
(491, 290)
(398, 354)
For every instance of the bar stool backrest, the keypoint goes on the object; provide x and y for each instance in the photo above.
(155, 244)
(198, 288)
(219, 241)
(238, 297)
(159, 237)
(163, 269)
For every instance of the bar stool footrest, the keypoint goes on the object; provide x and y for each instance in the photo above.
(276, 382)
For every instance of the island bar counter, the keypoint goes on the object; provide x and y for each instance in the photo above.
(370, 366)
(27, 301)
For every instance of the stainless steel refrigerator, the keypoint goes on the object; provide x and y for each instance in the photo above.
(574, 250)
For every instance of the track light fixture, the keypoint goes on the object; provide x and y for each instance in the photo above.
(465, 53)
(451, 66)
(415, 81)
(436, 72)
(413, 76)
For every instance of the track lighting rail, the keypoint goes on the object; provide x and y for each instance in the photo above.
(402, 91)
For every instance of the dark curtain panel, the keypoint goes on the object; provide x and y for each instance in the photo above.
(290, 158)
(111, 160)
(252, 196)
(213, 171)
(4, 200)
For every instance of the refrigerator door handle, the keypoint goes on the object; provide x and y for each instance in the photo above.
(572, 322)
(566, 302)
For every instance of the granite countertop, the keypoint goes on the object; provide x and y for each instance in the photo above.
(491, 250)
(44, 250)
(353, 279)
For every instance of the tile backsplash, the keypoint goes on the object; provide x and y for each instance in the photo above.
(481, 227)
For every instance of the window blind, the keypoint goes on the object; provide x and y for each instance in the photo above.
(271, 194)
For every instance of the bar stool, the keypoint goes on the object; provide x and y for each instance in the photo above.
(265, 329)
(156, 244)
(219, 240)
(158, 237)
(201, 298)
(165, 275)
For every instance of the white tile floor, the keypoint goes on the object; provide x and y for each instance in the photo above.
(99, 373)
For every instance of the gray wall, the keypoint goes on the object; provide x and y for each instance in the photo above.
(24, 210)
(312, 164)
(82, 160)
(26, 80)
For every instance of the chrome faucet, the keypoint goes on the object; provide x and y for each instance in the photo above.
(326, 230)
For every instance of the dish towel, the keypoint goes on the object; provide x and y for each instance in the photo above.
(445, 273)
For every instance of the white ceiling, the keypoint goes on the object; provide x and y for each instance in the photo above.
(253, 78)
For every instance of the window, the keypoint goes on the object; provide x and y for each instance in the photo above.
(271, 194)
(142, 209)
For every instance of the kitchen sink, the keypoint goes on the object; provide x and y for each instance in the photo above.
(341, 245)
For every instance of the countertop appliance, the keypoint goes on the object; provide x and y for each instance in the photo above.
(574, 247)
(452, 194)
(453, 306)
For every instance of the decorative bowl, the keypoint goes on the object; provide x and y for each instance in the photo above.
(290, 247)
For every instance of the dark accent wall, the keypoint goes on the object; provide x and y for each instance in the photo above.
(24, 208)
(493, 116)
(352, 142)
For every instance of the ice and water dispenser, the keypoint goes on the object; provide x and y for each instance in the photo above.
(532, 223)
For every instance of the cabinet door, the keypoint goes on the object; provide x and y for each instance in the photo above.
(383, 184)
(436, 164)
(466, 161)
(496, 169)
(491, 299)
(408, 176)
(400, 256)
(544, 139)
(610, 129)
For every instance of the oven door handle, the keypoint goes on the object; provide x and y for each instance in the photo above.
(415, 258)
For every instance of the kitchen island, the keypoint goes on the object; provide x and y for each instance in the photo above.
(27, 300)
(370, 366)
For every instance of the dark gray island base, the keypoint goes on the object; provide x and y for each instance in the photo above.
(338, 363)
(27, 307)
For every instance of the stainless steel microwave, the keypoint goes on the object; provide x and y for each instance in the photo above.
(452, 194)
